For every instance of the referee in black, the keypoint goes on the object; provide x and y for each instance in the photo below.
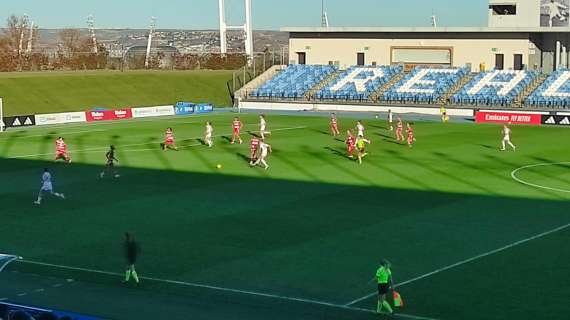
(132, 250)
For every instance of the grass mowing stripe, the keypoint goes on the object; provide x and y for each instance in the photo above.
(43, 135)
(462, 262)
(91, 150)
(224, 289)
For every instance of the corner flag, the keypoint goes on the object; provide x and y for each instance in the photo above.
(398, 302)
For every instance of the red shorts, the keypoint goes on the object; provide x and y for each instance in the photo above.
(410, 139)
(334, 126)
(61, 154)
(350, 149)
(252, 152)
(169, 142)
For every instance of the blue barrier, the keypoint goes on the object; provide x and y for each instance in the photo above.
(33, 311)
(182, 108)
(203, 108)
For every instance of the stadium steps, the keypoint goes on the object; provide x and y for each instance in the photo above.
(259, 80)
(520, 99)
(465, 80)
(375, 96)
(311, 93)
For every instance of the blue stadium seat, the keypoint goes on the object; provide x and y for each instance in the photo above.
(424, 85)
(293, 82)
(358, 82)
(497, 87)
(553, 92)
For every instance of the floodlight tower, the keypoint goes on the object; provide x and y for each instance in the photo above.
(91, 26)
(247, 29)
(433, 20)
(324, 16)
(150, 34)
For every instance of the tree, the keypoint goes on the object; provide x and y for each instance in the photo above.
(71, 40)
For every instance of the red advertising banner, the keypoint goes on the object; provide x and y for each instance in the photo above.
(103, 115)
(508, 117)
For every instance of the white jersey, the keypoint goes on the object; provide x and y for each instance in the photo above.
(46, 181)
(262, 124)
(209, 130)
(390, 117)
(506, 134)
(264, 147)
(360, 129)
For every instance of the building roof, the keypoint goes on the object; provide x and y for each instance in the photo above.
(423, 29)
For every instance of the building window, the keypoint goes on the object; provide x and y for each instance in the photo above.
(503, 9)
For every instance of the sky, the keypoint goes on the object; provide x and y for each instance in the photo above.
(267, 14)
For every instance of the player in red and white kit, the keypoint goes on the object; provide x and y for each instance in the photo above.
(61, 150)
(169, 140)
(399, 130)
(236, 126)
(253, 147)
(410, 132)
(350, 143)
(334, 125)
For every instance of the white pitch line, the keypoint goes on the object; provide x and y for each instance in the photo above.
(517, 179)
(223, 289)
(98, 149)
(48, 133)
(462, 262)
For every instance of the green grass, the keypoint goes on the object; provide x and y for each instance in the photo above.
(313, 226)
(34, 92)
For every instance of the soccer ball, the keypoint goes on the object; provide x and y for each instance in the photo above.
(219, 166)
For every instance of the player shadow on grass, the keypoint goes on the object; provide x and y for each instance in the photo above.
(337, 152)
(227, 138)
(321, 131)
(253, 134)
(486, 146)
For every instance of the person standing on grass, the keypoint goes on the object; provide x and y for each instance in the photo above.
(47, 187)
(208, 134)
(384, 278)
(390, 120)
(507, 138)
(399, 130)
(132, 250)
(334, 125)
(169, 140)
(361, 147)
(410, 132)
(110, 165)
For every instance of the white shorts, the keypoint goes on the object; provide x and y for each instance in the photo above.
(507, 139)
(47, 187)
(264, 154)
(209, 136)
(262, 129)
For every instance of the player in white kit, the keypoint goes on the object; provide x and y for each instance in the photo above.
(208, 134)
(390, 120)
(263, 126)
(265, 150)
(359, 128)
(507, 138)
(47, 187)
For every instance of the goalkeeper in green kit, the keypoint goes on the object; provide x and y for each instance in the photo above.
(132, 250)
(384, 278)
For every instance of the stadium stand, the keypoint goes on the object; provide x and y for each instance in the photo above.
(554, 92)
(424, 85)
(494, 88)
(358, 82)
(293, 82)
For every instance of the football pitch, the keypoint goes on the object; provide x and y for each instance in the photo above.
(471, 232)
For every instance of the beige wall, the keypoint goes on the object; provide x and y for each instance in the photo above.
(528, 14)
(321, 51)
